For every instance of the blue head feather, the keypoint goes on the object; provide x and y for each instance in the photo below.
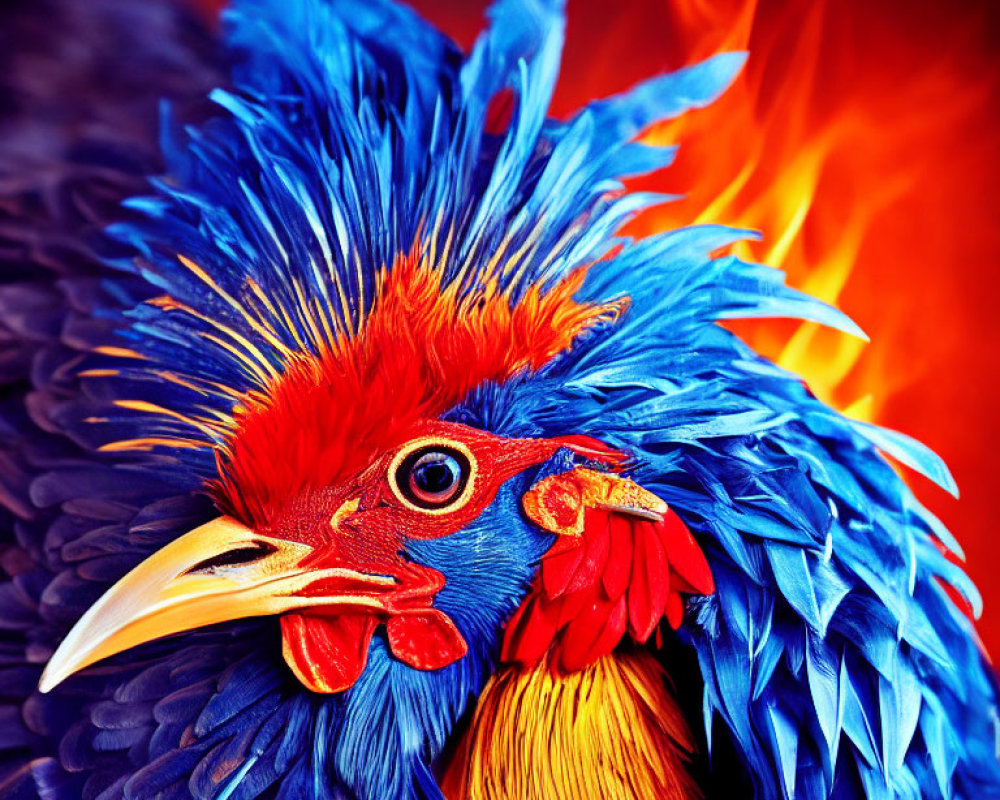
(830, 651)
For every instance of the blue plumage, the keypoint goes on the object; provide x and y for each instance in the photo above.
(342, 133)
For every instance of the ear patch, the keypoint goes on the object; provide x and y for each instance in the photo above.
(620, 564)
(558, 503)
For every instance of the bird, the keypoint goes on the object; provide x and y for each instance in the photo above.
(350, 451)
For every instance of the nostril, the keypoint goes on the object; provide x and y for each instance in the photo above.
(232, 558)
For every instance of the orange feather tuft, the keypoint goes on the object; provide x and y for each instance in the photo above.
(612, 731)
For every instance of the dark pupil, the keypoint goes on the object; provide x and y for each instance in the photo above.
(435, 477)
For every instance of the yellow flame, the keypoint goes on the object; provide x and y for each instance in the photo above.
(812, 174)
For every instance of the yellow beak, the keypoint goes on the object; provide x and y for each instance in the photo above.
(218, 572)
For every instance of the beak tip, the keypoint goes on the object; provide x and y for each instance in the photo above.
(47, 682)
(60, 667)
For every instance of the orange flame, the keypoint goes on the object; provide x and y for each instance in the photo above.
(813, 169)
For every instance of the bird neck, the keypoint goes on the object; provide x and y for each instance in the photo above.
(395, 721)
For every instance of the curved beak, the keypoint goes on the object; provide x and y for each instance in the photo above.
(218, 572)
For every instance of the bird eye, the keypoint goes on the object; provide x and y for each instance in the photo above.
(434, 477)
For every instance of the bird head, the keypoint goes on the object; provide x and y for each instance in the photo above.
(380, 313)
(352, 498)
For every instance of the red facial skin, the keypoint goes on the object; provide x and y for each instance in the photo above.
(363, 524)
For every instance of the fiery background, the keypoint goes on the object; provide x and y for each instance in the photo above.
(862, 140)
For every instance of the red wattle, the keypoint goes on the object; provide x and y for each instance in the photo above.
(327, 653)
(425, 639)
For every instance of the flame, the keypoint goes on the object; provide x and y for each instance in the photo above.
(821, 137)
(784, 153)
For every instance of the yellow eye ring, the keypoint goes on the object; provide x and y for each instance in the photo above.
(433, 475)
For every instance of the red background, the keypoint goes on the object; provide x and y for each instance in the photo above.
(925, 78)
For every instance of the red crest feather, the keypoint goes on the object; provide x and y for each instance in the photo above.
(421, 349)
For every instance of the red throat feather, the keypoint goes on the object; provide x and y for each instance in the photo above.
(620, 564)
